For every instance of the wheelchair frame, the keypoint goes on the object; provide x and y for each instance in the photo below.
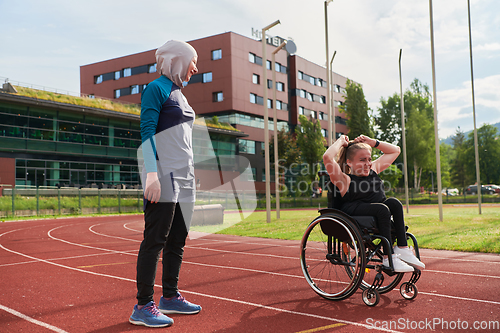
(341, 253)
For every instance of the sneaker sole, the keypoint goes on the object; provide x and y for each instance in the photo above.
(141, 323)
(178, 312)
(413, 264)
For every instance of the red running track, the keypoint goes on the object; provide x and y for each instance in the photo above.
(78, 275)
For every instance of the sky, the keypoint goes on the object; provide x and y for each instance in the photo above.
(44, 43)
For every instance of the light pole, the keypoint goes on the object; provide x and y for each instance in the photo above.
(332, 107)
(403, 133)
(266, 119)
(476, 149)
(328, 109)
(290, 48)
(436, 138)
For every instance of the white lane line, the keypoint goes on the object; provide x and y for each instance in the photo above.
(291, 246)
(460, 298)
(273, 273)
(32, 320)
(292, 258)
(466, 274)
(257, 305)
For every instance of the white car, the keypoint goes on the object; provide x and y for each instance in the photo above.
(450, 191)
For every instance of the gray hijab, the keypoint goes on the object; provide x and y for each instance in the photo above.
(173, 59)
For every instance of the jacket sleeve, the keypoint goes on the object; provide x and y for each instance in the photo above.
(152, 100)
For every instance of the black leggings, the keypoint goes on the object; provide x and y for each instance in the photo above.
(383, 212)
(165, 231)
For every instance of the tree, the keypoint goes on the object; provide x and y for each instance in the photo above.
(311, 144)
(489, 151)
(419, 122)
(388, 121)
(288, 152)
(356, 109)
(458, 172)
(391, 177)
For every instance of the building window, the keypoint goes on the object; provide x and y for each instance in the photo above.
(152, 68)
(313, 114)
(319, 82)
(207, 77)
(322, 99)
(278, 105)
(322, 116)
(268, 64)
(117, 93)
(117, 75)
(218, 96)
(337, 88)
(302, 93)
(253, 98)
(269, 103)
(255, 78)
(310, 96)
(277, 67)
(301, 75)
(246, 146)
(269, 84)
(127, 72)
(280, 86)
(98, 79)
(324, 132)
(216, 54)
(301, 110)
(251, 58)
(312, 80)
(134, 89)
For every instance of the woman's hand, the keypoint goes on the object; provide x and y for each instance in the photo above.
(152, 191)
(365, 139)
(343, 140)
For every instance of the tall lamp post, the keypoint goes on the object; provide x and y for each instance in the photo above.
(290, 48)
(332, 107)
(476, 149)
(436, 138)
(403, 133)
(266, 119)
(328, 109)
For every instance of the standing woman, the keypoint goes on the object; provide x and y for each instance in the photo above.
(351, 170)
(169, 184)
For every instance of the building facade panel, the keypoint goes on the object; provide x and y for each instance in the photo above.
(230, 85)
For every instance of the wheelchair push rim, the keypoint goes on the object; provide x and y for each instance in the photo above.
(330, 248)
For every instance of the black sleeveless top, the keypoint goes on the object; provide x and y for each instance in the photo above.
(369, 189)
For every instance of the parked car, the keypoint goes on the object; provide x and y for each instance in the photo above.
(472, 189)
(450, 191)
(493, 187)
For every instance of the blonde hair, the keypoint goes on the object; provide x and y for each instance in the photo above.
(347, 153)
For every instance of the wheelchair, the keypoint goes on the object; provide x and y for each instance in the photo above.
(341, 253)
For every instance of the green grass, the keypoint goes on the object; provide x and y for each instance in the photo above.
(462, 229)
(83, 101)
(67, 202)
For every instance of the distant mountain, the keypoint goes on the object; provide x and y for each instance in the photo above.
(449, 140)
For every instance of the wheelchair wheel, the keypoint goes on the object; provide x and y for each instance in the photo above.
(371, 297)
(408, 290)
(330, 248)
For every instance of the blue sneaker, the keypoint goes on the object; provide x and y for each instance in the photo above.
(178, 304)
(149, 316)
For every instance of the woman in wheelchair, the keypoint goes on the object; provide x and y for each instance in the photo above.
(353, 172)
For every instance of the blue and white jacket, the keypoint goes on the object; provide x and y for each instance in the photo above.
(167, 140)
